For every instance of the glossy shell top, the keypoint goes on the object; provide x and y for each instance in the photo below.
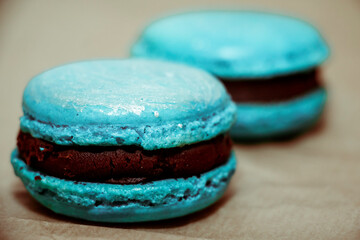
(148, 103)
(234, 44)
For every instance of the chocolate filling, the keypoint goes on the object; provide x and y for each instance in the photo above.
(123, 164)
(274, 89)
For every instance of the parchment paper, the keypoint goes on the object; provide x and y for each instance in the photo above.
(305, 188)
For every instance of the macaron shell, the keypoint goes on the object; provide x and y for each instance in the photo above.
(152, 104)
(261, 121)
(234, 44)
(126, 203)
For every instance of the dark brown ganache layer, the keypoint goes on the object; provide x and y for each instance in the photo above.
(123, 164)
(274, 89)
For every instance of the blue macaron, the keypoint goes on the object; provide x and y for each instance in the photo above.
(135, 106)
(260, 51)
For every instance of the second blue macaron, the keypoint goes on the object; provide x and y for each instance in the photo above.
(268, 62)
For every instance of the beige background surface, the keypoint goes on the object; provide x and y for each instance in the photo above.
(307, 188)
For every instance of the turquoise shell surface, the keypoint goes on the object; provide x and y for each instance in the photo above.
(234, 44)
(148, 103)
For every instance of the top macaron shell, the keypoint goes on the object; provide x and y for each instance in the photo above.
(151, 104)
(235, 44)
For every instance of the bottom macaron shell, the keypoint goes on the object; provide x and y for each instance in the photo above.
(263, 121)
(103, 202)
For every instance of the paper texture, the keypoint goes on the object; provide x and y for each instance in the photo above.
(306, 188)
